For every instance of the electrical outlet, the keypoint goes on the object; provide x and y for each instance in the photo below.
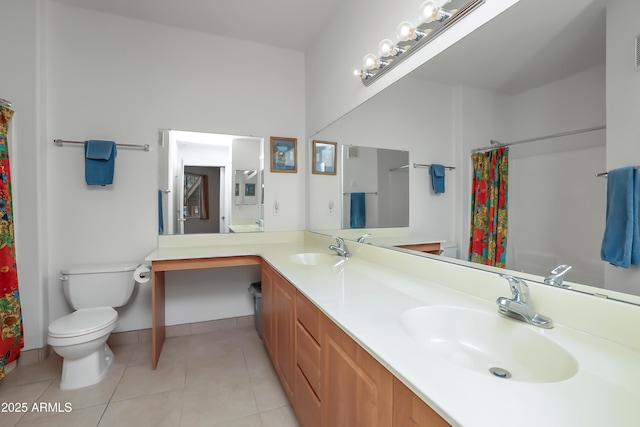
(276, 208)
(330, 207)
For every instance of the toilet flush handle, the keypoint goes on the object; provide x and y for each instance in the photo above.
(63, 278)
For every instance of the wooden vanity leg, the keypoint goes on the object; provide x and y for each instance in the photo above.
(157, 316)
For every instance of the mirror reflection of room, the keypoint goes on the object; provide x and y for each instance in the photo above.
(199, 187)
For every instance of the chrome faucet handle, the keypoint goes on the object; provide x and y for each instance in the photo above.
(557, 276)
(362, 238)
(519, 288)
(339, 241)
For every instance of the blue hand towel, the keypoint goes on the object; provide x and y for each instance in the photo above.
(437, 178)
(621, 241)
(160, 214)
(358, 211)
(99, 162)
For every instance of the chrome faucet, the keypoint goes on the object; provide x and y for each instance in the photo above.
(557, 276)
(362, 238)
(520, 306)
(341, 249)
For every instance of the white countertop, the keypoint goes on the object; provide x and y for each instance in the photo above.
(366, 295)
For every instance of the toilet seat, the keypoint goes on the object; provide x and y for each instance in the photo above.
(85, 321)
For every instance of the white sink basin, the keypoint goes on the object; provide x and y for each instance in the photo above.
(315, 258)
(482, 341)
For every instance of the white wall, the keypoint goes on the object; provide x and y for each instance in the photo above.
(556, 209)
(21, 82)
(623, 111)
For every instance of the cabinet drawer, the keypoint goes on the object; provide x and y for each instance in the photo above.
(307, 405)
(309, 316)
(308, 357)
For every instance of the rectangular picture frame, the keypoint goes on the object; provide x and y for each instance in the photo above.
(284, 154)
(324, 157)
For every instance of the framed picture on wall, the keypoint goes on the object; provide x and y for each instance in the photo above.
(325, 157)
(284, 154)
(250, 190)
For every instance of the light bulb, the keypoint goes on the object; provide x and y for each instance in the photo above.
(405, 31)
(386, 48)
(428, 11)
(369, 62)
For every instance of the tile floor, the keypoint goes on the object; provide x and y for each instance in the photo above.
(221, 378)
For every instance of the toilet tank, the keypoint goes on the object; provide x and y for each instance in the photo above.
(98, 285)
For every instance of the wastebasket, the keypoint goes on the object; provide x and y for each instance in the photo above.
(255, 289)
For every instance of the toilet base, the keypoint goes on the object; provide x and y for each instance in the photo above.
(86, 371)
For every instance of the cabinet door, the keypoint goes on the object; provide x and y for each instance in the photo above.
(284, 309)
(267, 309)
(356, 389)
(410, 411)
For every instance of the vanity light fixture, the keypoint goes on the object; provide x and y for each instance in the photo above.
(433, 20)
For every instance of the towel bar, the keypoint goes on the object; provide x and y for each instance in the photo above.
(59, 142)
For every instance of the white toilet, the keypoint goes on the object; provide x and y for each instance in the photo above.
(80, 338)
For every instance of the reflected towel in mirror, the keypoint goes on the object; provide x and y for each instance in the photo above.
(437, 177)
(621, 241)
(358, 216)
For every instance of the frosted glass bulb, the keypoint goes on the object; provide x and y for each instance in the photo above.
(386, 48)
(405, 31)
(369, 62)
(428, 11)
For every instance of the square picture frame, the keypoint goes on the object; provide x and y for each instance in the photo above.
(324, 157)
(284, 154)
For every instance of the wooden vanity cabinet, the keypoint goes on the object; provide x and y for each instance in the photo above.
(410, 410)
(356, 389)
(329, 378)
(430, 248)
(278, 327)
(308, 380)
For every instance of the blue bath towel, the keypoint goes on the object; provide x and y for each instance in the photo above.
(358, 211)
(437, 178)
(621, 241)
(99, 162)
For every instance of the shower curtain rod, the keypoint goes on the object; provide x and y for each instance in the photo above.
(497, 144)
(5, 103)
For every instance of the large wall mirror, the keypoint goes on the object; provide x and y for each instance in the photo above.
(210, 183)
(539, 86)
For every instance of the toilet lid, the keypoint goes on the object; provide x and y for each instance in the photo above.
(83, 321)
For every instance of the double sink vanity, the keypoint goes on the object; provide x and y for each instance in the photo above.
(387, 338)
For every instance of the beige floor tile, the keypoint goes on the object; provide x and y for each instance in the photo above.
(94, 395)
(123, 353)
(215, 366)
(279, 417)
(268, 390)
(24, 393)
(140, 380)
(47, 370)
(173, 348)
(250, 421)
(141, 354)
(206, 404)
(157, 410)
(88, 417)
(257, 359)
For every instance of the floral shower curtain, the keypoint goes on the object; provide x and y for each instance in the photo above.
(489, 202)
(12, 339)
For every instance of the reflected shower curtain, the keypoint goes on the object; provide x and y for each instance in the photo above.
(488, 243)
(12, 339)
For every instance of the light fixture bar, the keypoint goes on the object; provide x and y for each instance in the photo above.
(457, 9)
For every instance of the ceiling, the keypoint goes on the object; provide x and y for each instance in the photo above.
(290, 24)
(532, 43)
